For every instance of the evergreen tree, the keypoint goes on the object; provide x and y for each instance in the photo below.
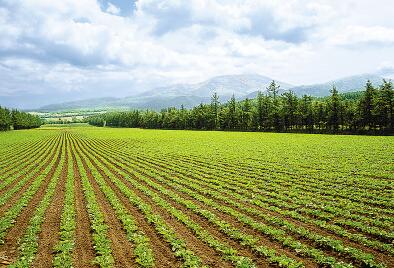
(5, 119)
(215, 106)
(320, 116)
(334, 105)
(367, 106)
(246, 115)
(289, 110)
(274, 115)
(306, 112)
(384, 103)
(273, 89)
(354, 113)
(232, 113)
(259, 115)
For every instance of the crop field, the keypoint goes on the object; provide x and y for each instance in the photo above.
(105, 197)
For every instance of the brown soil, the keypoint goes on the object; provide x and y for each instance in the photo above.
(18, 194)
(84, 253)
(216, 232)
(122, 248)
(380, 257)
(163, 254)
(207, 254)
(19, 152)
(18, 162)
(9, 248)
(51, 225)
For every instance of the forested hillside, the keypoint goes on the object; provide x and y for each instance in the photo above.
(14, 119)
(370, 111)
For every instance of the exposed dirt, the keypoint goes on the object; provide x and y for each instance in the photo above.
(213, 230)
(15, 197)
(9, 248)
(380, 257)
(51, 225)
(83, 251)
(112, 154)
(18, 157)
(207, 254)
(122, 248)
(163, 254)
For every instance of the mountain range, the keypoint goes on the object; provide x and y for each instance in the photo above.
(189, 95)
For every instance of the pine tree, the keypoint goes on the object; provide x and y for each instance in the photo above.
(334, 110)
(246, 115)
(383, 109)
(289, 109)
(215, 106)
(232, 113)
(367, 106)
(306, 112)
(273, 89)
(259, 111)
(320, 114)
(5, 119)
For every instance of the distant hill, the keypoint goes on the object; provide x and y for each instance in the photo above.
(225, 85)
(96, 103)
(347, 84)
(190, 95)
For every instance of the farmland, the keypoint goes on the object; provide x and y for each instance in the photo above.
(104, 197)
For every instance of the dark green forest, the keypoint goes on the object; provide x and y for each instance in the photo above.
(366, 112)
(14, 119)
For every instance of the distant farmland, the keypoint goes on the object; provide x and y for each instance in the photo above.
(101, 197)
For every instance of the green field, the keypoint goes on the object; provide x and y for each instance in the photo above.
(104, 197)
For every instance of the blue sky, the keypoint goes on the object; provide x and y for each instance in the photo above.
(118, 7)
(121, 47)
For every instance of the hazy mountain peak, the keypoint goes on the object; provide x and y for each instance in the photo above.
(344, 84)
(224, 85)
(241, 85)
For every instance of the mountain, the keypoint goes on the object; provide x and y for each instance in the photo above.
(225, 85)
(176, 95)
(190, 95)
(96, 103)
(346, 84)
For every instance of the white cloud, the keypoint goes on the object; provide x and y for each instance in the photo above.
(113, 9)
(163, 42)
(356, 35)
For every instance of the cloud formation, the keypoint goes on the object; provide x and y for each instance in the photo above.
(73, 45)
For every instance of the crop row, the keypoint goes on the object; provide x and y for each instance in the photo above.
(330, 227)
(178, 245)
(24, 173)
(142, 249)
(21, 165)
(325, 187)
(267, 203)
(263, 228)
(277, 195)
(65, 246)
(334, 243)
(309, 186)
(8, 218)
(29, 243)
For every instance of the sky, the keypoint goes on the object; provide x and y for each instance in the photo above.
(123, 47)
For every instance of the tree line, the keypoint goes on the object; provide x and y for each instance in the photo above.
(369, 111)
(14, 119)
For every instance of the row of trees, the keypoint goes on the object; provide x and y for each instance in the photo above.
(368, 112)
(14, 119)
